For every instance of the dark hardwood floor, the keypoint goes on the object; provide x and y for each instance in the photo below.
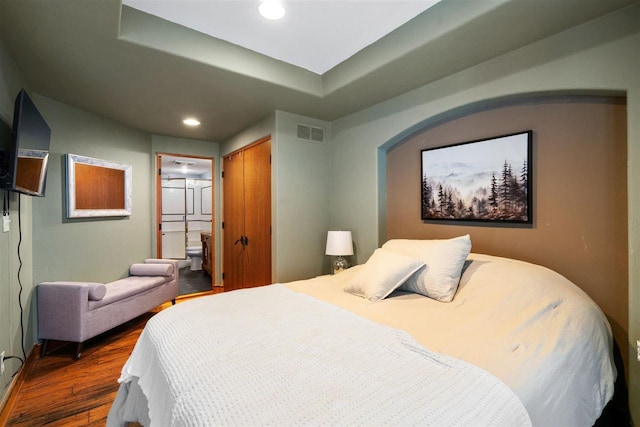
(59, 391)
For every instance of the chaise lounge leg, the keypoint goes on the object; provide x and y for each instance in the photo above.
(43, 348)
(78, 351)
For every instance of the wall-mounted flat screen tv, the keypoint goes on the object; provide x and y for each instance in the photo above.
(25, 153)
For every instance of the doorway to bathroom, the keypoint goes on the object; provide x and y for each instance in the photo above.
(184, 216)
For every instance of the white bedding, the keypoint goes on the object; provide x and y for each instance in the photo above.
(295, 360)
(526, 325)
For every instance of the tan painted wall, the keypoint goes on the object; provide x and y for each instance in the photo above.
(579, 194)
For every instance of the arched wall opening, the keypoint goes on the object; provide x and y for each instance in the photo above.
(579, 189)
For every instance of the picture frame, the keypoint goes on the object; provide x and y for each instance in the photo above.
(97, 188)
(485, 180)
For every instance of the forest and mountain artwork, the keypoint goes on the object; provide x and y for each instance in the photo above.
(483, 180)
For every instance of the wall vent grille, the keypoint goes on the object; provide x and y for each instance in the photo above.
(310, 133)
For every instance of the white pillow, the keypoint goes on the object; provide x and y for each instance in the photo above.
(382, 274)
(444, 260)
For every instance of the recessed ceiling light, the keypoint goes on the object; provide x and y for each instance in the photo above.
(191, 122)
(271, 9)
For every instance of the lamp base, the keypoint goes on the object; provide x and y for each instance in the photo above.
(339, 264)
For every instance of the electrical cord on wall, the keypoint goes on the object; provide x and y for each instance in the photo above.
(19, 367)
(6, 208)
(24, 353)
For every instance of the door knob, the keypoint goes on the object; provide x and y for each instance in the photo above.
(244, 240)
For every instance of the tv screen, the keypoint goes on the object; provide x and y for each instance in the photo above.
(26, 154)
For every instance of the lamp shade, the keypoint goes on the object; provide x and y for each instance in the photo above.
(339, 243)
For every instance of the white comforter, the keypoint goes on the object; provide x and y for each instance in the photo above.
(272, 356)
(527, 325)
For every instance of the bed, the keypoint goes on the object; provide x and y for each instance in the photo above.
(424, 333)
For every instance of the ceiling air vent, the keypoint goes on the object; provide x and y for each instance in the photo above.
(310, 133)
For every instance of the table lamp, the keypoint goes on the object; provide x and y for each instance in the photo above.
(339, 245)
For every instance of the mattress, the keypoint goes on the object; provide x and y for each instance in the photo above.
(527, 326)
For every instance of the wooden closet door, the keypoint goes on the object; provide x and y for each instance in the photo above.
(257, 216)
(233, 217)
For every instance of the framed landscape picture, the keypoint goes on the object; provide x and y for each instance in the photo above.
(483, 180)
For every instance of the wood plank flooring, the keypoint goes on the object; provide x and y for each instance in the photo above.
(59, 391)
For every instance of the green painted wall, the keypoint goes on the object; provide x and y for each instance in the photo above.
(300, 189)
(344, 176)
(259, 130)
(11, 81)
(96, 249)
(602, 56)
(303, 182)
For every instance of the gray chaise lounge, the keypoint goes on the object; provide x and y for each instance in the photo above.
(77, 311)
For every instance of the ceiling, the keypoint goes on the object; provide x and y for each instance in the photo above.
(176, 166)
(148, 73)
(314, 35)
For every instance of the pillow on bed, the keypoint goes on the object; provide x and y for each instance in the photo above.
(444, 260)
(384, 272)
